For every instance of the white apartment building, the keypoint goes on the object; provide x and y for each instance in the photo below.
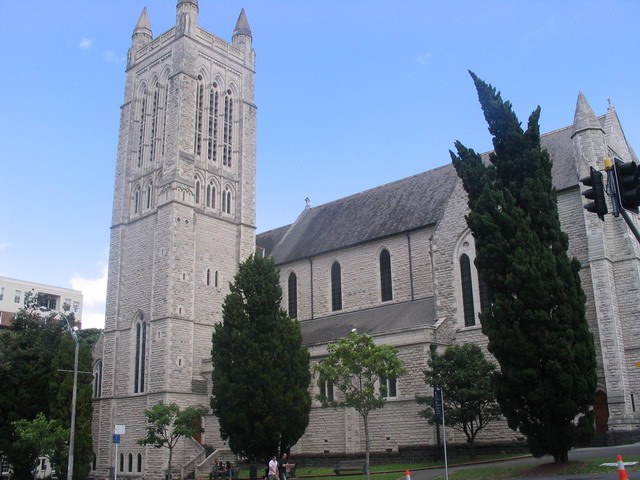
(13, 293)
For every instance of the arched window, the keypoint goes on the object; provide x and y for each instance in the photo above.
(154, 124)
(130, 469)
(122, 462)
(214, 100)
(149, 196)
(199, 116)
(215, 279)
(164, 117)
(211, 196)
(336, 287)
(227, 130)
(208, 277)
(139, 462)
(293, 295)
(485, 298)
(136, 201)
(197, 195)
(97, 380)
(226, 200)
(140, 355)
(467, 291)
(142, 123)
(386, 287)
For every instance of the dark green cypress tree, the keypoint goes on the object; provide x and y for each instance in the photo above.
(536, 325)
(260, 367)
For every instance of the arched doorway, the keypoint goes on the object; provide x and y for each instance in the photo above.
(601, 411)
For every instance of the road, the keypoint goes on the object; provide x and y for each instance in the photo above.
(576, 454)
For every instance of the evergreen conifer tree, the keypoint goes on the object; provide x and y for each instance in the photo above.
(260, 367)
(536, 325)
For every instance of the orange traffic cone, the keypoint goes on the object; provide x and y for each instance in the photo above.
(622, 472)
(407, 475)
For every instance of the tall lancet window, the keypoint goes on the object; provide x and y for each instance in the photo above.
(210, 199)
(153, 130)
(293, 295)
(467, 291)
(197, 192)
(149, 194)
(199, 116)
(226, 200)
(165, 104)
(227, 130)
(214, 101)
(386, 287)
(140, 329)
(336, 287)
(142, 124)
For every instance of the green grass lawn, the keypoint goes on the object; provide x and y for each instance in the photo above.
(396, 471)
(577, 467)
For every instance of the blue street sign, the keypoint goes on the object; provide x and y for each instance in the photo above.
(437, 403)
(116, 438)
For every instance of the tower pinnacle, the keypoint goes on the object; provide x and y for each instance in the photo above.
(584, 118)
(242, 26)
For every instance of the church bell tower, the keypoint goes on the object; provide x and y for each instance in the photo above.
(183, 219)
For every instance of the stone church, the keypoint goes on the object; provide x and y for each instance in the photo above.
(396, 261)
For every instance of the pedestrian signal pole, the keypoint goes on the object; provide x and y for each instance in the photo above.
(623, 182)
(439, 414)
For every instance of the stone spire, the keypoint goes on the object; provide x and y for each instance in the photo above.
(141, 36)
(143, 27)
(242, 26)
(584, 118)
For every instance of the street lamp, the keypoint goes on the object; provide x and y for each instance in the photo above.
(72, 428)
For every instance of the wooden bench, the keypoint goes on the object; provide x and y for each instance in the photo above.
(349, 466)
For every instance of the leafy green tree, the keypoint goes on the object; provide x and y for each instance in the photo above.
(27, 349)
(261, 370)
(466, 379)
(42, 435)
(536, 325)
(355, 365)
(166, 424)
(61, 389)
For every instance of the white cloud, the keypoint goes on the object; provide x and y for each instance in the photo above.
(85, 43)
(94, 295)
(424, 58)
(111, 57)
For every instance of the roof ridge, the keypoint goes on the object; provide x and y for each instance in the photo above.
(384, 185)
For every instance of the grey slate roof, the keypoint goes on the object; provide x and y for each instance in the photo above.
(408, 204)
(401, 206)
(386, 318)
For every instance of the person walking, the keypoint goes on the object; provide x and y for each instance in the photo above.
(282, 467)
(273, 468)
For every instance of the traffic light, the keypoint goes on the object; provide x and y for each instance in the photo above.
(628, 184)
(595, 193)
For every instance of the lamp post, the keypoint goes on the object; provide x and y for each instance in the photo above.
(72, 428)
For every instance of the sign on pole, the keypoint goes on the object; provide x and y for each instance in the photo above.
(437, 403)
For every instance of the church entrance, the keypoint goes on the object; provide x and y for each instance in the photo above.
(601, 411)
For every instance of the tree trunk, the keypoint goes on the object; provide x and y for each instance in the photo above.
(170, 455)
(366, 447)
(561, 457)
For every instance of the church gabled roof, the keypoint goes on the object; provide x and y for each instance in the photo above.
(401, 206)
(405, 205)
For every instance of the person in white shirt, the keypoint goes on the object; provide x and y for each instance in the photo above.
(273, 468)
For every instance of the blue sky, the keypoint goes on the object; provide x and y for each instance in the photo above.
(351, 94)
